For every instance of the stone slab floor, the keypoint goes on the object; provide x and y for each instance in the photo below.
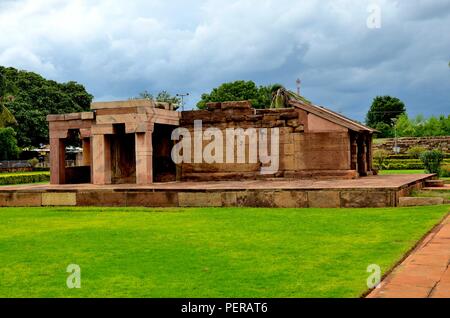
(425, 273)
(372, 182)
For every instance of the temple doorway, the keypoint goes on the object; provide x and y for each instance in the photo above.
(164, 169)
(123, 156)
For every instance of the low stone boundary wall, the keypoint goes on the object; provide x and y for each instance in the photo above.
(405, 143)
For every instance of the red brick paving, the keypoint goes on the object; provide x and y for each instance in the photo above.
(425, 273)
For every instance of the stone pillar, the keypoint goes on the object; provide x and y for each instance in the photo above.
(86, 144)
(353, 153)
(369, 152)
(101, 159)
(144, 157)
(362, 156)
(57, 161)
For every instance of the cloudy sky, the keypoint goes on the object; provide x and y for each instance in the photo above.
(118, 48)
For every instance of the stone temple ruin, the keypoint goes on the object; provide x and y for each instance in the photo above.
(142, 153)
(130, 142)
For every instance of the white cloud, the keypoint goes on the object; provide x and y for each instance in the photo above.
(119, 48)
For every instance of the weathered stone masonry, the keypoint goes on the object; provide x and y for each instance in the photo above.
(310, 145)
(130, 142)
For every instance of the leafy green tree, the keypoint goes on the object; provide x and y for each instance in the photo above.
(8, 144)
(383, 110)
(423, 127)
(6, 118)
(145, 95)
(163, 97)
(385, 130)
(261, 97)
(35, 98)
(405, 127)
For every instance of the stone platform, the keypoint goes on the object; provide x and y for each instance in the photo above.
(372, 191)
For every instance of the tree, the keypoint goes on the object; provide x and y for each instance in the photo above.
(383, 110)
(6, 118)
(163, 97)
(35, 98)
(261, 97)
(8, 144)
(423, 127)
(145, 95)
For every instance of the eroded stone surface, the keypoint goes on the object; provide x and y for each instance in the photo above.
(419, 201)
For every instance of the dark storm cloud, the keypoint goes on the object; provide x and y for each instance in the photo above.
(118, 49)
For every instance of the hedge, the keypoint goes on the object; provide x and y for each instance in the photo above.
(407, 156)
(407, 164)
(24, 178)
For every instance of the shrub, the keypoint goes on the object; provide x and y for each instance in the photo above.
(445, 171)
(416, 151)
(379, 157)
(33, 162)
(432, 160)
(24, 178)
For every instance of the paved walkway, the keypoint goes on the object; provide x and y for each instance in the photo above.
(425, 273)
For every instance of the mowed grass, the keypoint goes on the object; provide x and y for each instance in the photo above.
(203, 252)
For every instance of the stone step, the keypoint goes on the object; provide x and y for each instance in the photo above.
(419, 201)
(434, 183)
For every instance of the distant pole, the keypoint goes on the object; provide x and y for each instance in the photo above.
(396, 147)
(182, 99)
(298, 82)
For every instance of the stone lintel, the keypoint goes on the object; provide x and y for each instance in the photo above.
(128, 103)
(72, 116)
(87, 115)
(55, 117)
(103, 129)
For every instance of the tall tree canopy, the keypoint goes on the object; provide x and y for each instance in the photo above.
(6, 118)
(382, 113)
(261, 97)
(34, 98)
(8, 144)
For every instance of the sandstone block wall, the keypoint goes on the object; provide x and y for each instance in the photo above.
(302, 153)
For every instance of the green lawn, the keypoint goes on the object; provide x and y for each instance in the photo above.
(203, 252)
(386, 172)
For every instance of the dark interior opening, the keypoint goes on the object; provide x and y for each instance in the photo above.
(76, 169)
(164, 169)
(123, 156)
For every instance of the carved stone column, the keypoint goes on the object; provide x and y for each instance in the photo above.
(144, 157)
(101, 159)
(86, 144)
(362, 156)
(369, 152)
(57, 161)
